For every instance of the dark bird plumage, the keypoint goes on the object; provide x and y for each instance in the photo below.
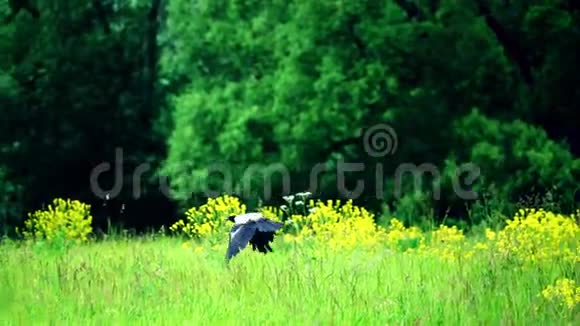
(251, 228)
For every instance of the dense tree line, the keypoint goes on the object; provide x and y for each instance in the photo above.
(184, 85)
(77, 83)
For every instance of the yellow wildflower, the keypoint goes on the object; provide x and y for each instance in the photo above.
(209, 218)
(564, 292)
(70, 219)
(539, 236)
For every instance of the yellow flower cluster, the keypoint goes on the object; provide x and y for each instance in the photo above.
(564, 292)
(68, 219)
(347, 226)
(209, 218)
(337, 225)
(531, 236)
(539, 236)
(397, 234)
(446, 242)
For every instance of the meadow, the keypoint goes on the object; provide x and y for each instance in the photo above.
(525, 273)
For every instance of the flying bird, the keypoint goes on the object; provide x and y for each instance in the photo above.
(251, 228)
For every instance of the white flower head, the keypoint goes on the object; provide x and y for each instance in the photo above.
(305, 194)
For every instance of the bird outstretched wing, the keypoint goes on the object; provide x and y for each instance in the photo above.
(265, 225)
(240, 235)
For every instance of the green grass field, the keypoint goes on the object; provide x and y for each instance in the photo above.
(156, 281)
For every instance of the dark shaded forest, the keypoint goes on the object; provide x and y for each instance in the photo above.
(183, 86)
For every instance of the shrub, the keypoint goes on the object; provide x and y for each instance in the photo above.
(337, 225)
(63, 219)
(209, 218)
(517, 161)
(564, 293)
(445, 242)
(400, 237)
(536, 235)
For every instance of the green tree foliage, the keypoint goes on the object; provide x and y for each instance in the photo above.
(255, 87)
(516, 159)
(298, 83)
(74, 85)
(8, 211)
